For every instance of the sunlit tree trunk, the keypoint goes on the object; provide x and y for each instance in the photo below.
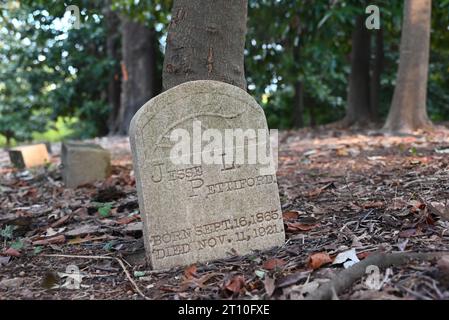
(206, 41)
(408, 110)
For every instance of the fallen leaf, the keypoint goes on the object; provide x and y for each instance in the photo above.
(439, 209)
(442, 151)
(343, 152)
(201, 282)
(408, 233)
(4, 260)
(50, 232)
(363, 255)
(269, 284)
(83, 213)
(105, 210)
(60, 222)
(317, 260)
(127, 220)
(290, 215)
(260, 273)
(190, 272)
(235, 285)
(273, 264)
(314, 193)
(298, 226)
(347, 258)
(292, 279)
(416, 206)
(12, 252)
(402, 245)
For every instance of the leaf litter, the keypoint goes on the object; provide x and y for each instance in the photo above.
(346, 196)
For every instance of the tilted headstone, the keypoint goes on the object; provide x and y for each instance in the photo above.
(197, 211)
(84, 163)
(29, 156)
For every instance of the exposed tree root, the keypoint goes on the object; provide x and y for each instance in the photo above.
(347, 277)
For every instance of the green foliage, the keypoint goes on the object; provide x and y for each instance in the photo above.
(18, 244)
(7, 232)
(105, 210)
(310, 42)
(22, 80)
(52, 72)
(37, 250)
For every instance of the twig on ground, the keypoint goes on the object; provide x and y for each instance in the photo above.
(347, 277)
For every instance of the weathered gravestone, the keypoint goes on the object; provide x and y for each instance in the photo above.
(201, 211)
(84, 163)
(29, 156)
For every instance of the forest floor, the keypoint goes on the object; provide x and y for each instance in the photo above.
(345, 196)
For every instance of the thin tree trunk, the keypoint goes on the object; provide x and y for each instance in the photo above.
(139, 45)
(358, 110)
(377, 68)
(113, 53)
(298, 117)
(310, 107)
(298, 99)
(408, 109)
(8, 140)
(206, 41)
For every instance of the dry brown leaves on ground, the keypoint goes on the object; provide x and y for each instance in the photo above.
(345, 196)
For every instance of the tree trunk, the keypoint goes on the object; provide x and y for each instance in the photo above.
(113, 54)
(8, 135)
(298, 117)
(408, 109)
(298, 99)
(358, 111)
(206, 41)
(377, 68)
(139, 45)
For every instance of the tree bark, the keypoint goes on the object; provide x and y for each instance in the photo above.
(113, 54)
(298, 99)
(206, 41)
(377, 68)
(358, 110)
(408, 109)
(139, 45)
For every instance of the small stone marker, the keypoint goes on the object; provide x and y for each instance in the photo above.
(200, 212)
(29, 156)
(84, 163)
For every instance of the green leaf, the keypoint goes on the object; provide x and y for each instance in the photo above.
(260, 273)
(37, 250)
(17, 245)
(108, 246)
(105, 210)
(7, 232)
(139, 274)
